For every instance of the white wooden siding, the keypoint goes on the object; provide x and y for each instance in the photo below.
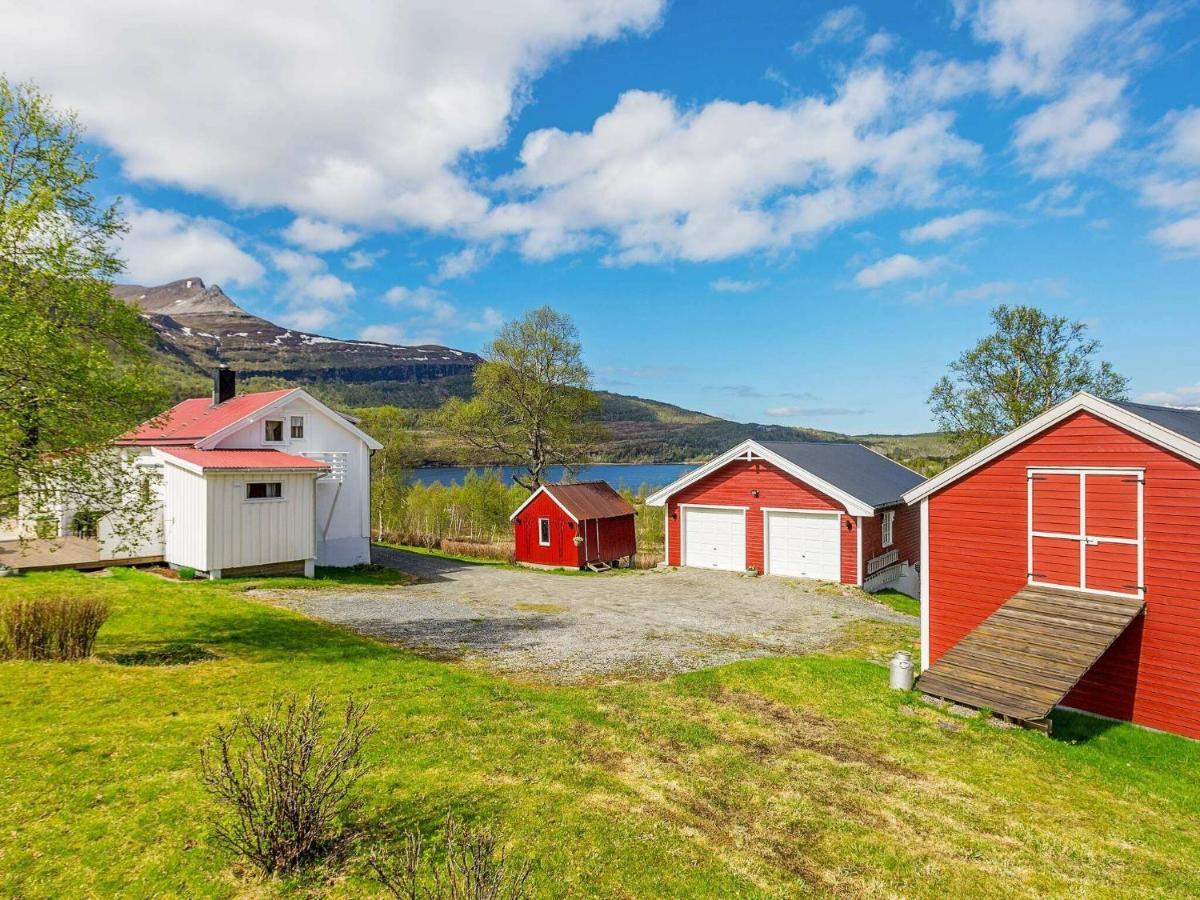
(245, 532)
(185, 517)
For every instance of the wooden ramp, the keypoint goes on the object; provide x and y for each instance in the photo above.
(1025, 657)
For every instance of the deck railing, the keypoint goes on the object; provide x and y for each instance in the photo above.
(337, 460)
(882, 561)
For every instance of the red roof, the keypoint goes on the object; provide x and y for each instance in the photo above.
(243, 459)
(193, 420)
(590, 500)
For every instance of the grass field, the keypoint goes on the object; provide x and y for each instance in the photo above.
(767, 778)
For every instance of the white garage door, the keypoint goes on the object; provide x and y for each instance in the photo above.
(714, 538)
(803, 545)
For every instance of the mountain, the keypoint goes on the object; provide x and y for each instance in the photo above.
(197, 326)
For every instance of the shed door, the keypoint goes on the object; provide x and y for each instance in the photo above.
(714, 538)
(1085, 530)
(803, 545)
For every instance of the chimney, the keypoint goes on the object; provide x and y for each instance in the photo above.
(224, 384)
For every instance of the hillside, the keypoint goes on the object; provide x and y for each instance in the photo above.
(198, 326)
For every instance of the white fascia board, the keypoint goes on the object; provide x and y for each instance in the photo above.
(542, 490)
(854, 506)
(214, 439)
(177, 462)
(1081, 402)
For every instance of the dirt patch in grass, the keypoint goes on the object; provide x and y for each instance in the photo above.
(541, 607)
(175, 654)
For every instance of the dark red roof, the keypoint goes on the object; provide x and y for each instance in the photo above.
(590, 500)
(193, 420)
(243, 459)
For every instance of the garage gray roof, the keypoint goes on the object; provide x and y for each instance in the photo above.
(1184, 422)
(871, 477)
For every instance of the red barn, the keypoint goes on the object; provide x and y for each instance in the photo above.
(574, 525)
(819, 509)
(1059, 568)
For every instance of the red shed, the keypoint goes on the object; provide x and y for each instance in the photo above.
(574, 525)
(1060, 567)
(816, 509)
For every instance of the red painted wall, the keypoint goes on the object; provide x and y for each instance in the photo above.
(977, 560)
(562, 550)
(731, 486)
(906, 536)
(604, 539)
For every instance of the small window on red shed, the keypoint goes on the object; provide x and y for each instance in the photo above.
(889, 520)
(544, 532)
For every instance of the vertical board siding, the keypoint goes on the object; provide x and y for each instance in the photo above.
(562, 550)
(185, 518)
(906, 536)
(256, 533)
(978, 559)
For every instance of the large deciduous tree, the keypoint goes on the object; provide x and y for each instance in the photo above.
(75, 367)
(1029, 363)
(533, 400)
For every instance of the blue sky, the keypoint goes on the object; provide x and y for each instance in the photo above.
(775, 212)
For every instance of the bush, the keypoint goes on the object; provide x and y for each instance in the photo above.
(505, 552)
(58, 628)
(475, 867)
(186, 573)
(283, 787)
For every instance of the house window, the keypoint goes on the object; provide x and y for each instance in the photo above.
(264, 490)
(273, 431)
(888, 518)
(297, 429)
(544, 532)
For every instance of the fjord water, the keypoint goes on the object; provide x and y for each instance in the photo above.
(619, 475)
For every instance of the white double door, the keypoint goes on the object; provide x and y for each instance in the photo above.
(714, 538)
(803, 545)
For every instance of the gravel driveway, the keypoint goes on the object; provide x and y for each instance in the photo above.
(577, 628)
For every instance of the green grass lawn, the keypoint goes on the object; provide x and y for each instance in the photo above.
(773, 777)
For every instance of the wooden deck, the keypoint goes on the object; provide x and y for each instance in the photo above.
(61, 553)
(1025, 658)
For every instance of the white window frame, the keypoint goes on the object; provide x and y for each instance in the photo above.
(888, 524)
(1083, 537)
(544, 523)
(292, 422)
(248, 499)
(282, 432)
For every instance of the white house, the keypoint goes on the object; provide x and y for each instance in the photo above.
(270, 482)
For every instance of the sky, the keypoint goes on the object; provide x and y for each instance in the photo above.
(785, 212)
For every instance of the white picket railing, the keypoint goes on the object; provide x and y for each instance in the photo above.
(881, 579)
(882, 561)
(337, 460)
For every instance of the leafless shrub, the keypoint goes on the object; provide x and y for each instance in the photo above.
(476, 866)
(505, 552)
(646, 560)
(284, 786)
(58, 628)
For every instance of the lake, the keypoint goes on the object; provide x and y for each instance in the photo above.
(619, 475)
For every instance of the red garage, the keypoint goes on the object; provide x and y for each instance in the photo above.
(1060, 567)
(574, 525)
(826, 510)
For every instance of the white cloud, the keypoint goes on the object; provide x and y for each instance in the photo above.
(1185, 397)
(895, 268)
(1167, 194)
(1184, 141)
(1181, 238)
(1059, 201)
(383, 333)
(1067, 134)
(363, 259)
(789, 412)
(465, 262)
(726, 178)
(946, 227)
(163, 245)
(734, 286)
(1038, 38)
(357, 112)
(318, 236)
(838, 26)
(431, 314)
(988, 290)
(429, 302)
(315, 298)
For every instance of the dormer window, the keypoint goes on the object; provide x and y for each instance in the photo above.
(273, 431)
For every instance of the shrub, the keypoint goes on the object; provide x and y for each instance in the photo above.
(475, 867)
(186, 573)
(58, 628)
(282, 785)
(505, 552)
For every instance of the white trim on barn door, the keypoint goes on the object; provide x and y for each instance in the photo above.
(858, 566)
(924, 584)
(1085, 540)
(831, 513)
(683, 510)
